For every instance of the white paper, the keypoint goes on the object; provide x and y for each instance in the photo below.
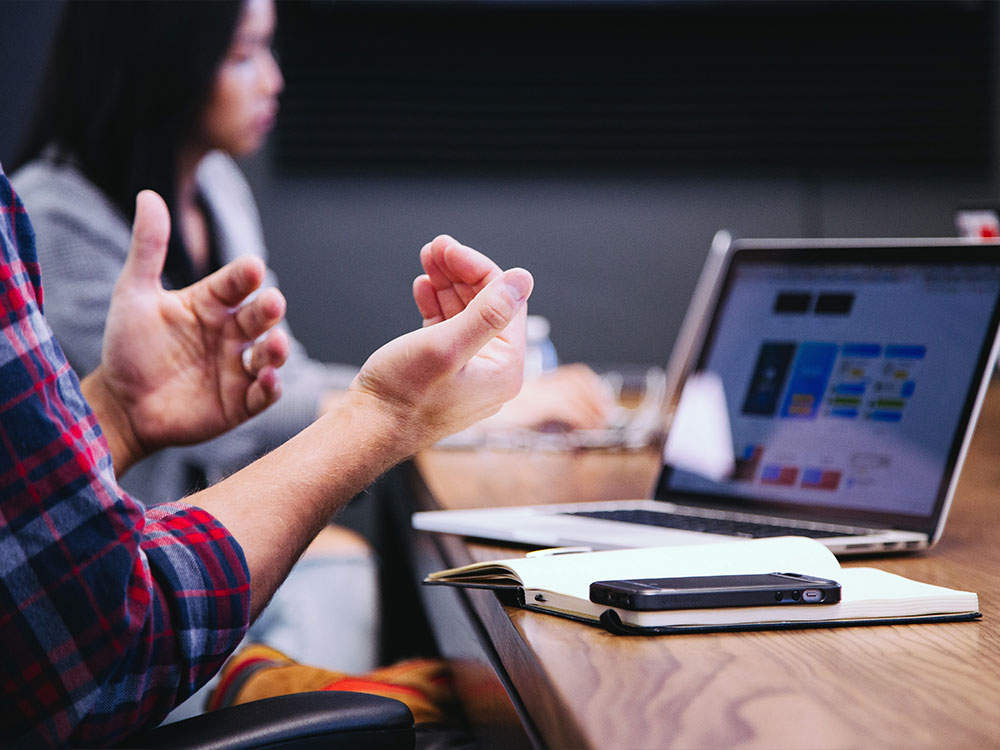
(700, 439)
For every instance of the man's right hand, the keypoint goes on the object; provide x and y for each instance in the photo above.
(465, 362)
(172, 364)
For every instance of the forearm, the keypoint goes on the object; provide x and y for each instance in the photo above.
(123, 444)
(276, 505)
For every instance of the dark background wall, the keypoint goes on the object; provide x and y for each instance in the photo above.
(599, 144)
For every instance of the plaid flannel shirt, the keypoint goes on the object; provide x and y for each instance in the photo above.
(110, 613)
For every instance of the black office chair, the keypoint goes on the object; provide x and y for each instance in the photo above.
(301, 721)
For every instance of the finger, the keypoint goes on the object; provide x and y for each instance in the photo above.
(470, 270)
(489, 315)
(455, 262)
(432, 258)
(469, 266)
(427, 254)
(426, 298)
(271, 351)
(446, 288)
(150, 235)
(457, 272)
(261, 313)
(263, 391)
(428, 261)
(232, 283)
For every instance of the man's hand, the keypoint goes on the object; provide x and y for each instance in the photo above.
(466, 361)
(460, 367)
(573, 396)
(173, 368)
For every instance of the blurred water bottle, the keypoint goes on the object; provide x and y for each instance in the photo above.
(540, 353)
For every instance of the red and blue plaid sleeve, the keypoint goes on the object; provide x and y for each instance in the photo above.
(110, 614)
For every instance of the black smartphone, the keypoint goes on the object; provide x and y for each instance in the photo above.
(699, 592)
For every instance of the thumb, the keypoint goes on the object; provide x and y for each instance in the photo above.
(489, 313)
(150, 234)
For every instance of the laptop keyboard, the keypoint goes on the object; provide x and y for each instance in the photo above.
(728, 526)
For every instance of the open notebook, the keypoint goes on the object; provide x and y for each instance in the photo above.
(850, 375)
(559, 584)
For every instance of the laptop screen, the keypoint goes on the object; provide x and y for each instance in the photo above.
(850, 377)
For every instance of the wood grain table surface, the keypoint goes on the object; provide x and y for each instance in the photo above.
(900, 686)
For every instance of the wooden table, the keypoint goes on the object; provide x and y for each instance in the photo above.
(533, 679)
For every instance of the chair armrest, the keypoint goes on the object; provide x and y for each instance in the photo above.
(327, 719)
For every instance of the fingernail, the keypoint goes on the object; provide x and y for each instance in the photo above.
(519, 283)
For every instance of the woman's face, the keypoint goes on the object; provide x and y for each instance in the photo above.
(244, 101)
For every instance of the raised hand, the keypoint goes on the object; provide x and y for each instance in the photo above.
(467, 360)
(573, 396)
(453, 275)
(173, 363)
(460, 367)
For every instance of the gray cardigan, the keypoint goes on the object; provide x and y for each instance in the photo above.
(82, 242)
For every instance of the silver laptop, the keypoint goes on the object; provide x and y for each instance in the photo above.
(852, 372)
